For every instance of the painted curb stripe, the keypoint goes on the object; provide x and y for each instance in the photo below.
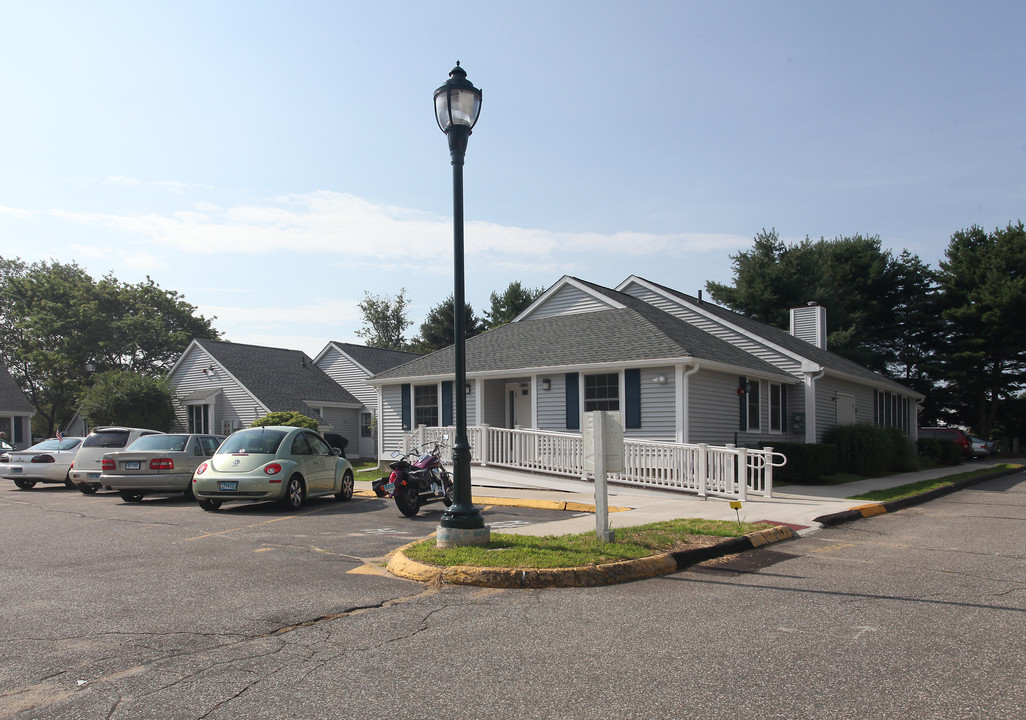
(586, 576)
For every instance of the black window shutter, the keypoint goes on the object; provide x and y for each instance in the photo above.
(446, 402)
(573, 402)
(632, 398)
(407, 408)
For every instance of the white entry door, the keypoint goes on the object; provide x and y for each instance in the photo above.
(518, 405)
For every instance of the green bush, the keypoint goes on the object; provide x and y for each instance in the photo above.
(291, 419)
(807, 464)
(939, 452)
(866, 449)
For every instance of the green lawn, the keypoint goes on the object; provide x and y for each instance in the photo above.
(903, 491)
(562, 551)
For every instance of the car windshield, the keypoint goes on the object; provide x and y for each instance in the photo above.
(55, 444)
(171, 443)
(258, 441)
(107, 438)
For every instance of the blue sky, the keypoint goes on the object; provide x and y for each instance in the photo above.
(272, 161)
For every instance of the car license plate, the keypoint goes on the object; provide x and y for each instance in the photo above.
(132, 465)
(94, 476)
(15, 470)
(389, 487)
(228, 485)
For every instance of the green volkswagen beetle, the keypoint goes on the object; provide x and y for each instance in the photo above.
(276, 463)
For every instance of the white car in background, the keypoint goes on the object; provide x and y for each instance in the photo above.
(48, 461)
(85, 473)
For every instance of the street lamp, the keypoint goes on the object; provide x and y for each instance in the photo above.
(457, 106)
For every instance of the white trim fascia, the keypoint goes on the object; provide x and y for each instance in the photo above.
(560, 284)
(685, 360)
(323, 404)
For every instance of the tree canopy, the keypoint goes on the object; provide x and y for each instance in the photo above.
(438, 331)
(983, 284)
(871, 297)
(55, 317)
(385, 320)
(125, 397)
(513, 301)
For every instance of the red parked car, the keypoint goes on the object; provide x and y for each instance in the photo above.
(951, 435)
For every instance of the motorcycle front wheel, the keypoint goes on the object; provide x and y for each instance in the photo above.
(407, 499)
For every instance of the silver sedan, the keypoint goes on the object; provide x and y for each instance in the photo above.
(48, 461)
(157, 464)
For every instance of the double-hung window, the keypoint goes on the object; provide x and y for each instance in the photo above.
(425, 405)
(601, 392)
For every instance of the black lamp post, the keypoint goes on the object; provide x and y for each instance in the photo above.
(457, 106)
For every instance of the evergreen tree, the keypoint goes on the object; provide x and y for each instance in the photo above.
(510, 303)
(983, 283)
(437, 330)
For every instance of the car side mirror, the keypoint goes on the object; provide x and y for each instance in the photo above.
(336, 452)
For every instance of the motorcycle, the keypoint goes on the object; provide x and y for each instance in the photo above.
(418, 478)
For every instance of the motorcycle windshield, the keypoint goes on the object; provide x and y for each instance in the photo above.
(424, 461)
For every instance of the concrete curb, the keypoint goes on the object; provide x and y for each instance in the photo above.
(863, 511)
(586, 576)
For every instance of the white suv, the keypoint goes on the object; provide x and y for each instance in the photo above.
(85, 472)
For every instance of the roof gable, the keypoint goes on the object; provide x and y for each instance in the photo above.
(370, 359)
(778, 338)
(12, 399)
(282, 379)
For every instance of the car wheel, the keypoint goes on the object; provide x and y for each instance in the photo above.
(346, 492)
(25, 484)
(294, 493)
(189, 495)
(68, 482)
(130, 496)
(209, 505)
(88, 489)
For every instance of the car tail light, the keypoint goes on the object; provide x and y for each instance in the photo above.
(272, 469)
(108, 465)
(42, 458)
(202, 468)
(162, 464)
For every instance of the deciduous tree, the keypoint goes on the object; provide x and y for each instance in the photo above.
(385, 320)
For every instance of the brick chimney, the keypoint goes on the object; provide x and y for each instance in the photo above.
(809, 323)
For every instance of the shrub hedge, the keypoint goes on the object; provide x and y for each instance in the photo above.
(806, 464)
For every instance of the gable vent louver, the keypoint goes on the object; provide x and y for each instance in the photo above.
(808, 323)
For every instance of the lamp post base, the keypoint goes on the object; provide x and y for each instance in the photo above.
(450, 537)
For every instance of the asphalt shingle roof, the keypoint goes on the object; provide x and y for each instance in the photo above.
(376, 360)
(778, 336)
(282, 379)
(636, 332)
(12, 399)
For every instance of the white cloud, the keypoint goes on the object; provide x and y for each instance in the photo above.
(341, 224)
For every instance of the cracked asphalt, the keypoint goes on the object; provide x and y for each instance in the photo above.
(159, 610)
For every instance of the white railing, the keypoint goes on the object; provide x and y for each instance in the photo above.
(720, 471)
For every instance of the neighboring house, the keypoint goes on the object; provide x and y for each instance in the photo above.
(679, 370)
(15, 411)
(350, 366)
(223, 386)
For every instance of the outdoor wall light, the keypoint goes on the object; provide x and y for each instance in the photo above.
(659, 379)
(546, 384)
(467, 388)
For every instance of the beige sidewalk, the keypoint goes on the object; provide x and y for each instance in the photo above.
(792, 505)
